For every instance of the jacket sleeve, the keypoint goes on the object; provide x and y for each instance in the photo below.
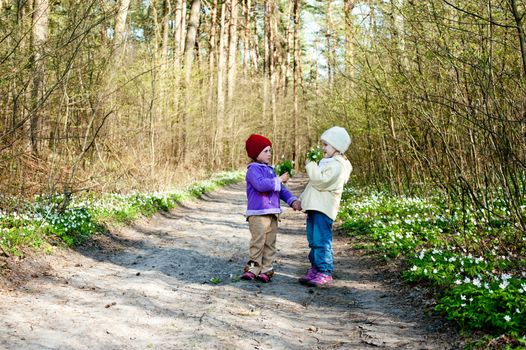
(262, 183)
(323, 180)
(287, 196)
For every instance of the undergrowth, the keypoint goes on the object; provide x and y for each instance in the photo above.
(70, 220)
(477, 265)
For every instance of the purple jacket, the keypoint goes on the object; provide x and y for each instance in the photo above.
(264, 190)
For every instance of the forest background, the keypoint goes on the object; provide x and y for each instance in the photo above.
(135, 95)
(123, 97)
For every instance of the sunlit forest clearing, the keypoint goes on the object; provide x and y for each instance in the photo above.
(115, 110)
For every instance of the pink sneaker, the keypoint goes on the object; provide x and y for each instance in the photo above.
(320, 279)
(263, 277)
(310, 275)
(248, 276)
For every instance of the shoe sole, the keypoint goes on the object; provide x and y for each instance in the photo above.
(322, 285)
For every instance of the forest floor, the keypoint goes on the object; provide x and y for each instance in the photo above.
(171, 282)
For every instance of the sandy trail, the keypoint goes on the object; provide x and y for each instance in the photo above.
(149, 286)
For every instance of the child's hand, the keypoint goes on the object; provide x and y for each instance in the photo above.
(285, 177)
(296, 205)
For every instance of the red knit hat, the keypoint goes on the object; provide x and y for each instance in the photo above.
(255, 144)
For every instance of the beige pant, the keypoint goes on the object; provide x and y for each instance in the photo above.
(263, 229)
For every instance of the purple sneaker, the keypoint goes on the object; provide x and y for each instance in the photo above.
(320, 279)
(248, 276)
(264, 277)
(310, 275)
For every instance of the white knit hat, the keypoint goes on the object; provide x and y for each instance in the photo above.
(337, 137)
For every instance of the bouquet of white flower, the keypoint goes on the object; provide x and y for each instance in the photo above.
(284, 166)
(315, 154)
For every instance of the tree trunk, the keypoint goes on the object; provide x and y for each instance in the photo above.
(232, 52)
(296, 73)
(183, 26)
(212, 56)
(272, 68)
(163, 95)
(247, 11)
(349, 47)
(266, 60)
(254, 51)
(329, 36)
(175, 123)
(211, 79)
(520, 32)
(120, 30)
(39, 39)
(178, 34)
(167, 12)
(287, 60)
(191, 34)
(220, 116)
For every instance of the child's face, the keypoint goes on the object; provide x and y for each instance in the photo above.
(328, 150)
(265, 156)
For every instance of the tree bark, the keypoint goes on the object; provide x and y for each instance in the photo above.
(232, 64)
(191, 34)
(211, 110)
(231, 75)
(266, 59)
(178, 23)
(520, 32)
(39, 38)
(272, 67)
(212, 55)
(183, 26)
(349, 37)
(220, 116)
(247, 11)
(167, 12)
(330, 38)
(287, 59)
(296, 73)
(120, 30)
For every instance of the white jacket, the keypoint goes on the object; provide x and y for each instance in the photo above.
(324, 190)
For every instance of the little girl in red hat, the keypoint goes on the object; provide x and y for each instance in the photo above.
(264, 192)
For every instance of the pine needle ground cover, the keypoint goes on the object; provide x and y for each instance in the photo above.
(56, 220)
(474, 261)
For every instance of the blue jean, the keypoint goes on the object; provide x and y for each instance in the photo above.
(319, 236)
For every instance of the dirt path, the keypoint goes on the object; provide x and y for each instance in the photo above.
(152, 290)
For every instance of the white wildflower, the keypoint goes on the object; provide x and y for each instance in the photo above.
(504, 284)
